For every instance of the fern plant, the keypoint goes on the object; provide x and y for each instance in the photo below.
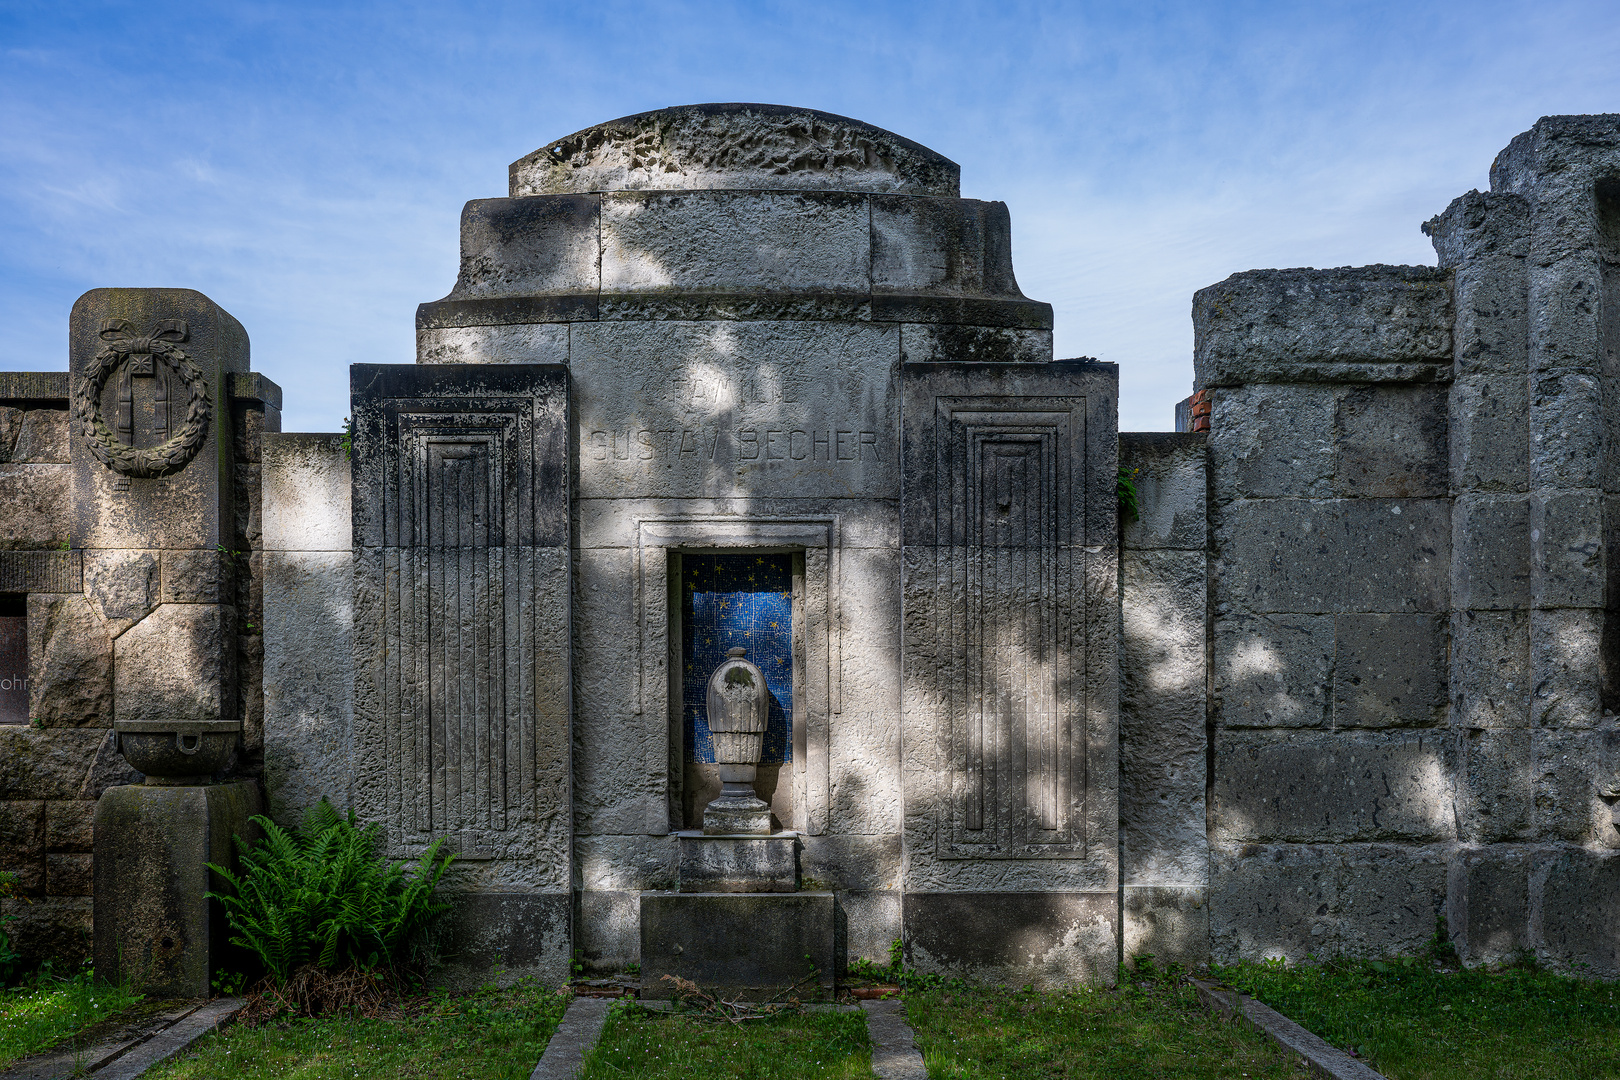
(320, 895)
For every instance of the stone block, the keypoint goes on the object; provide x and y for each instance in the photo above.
(608, 933)
(49, 764)
(1480, 225)
(1490, 441)
(1332, 787)
(933, 343)
(1284, 555)
(504, 937)
(851, 863)
(22, 831)
(1577, 785)
(1494, 792)
(56, 928)
(1579, 907)
(39, 507)
(1168, 923)
(69, 824)
(107, 768)
(739, 864)
(1168, 470)
(1490, 542)
(1294, 901)
(1162, 717)
(1390, 670)
(1566, 414)
(1272, 442)
(306, 496)
(123, 584)
(736, 410)
(1391, 442)
(70, 663)
(177, 664)
(251, 419)
(1050, 939)
(870, 922)
(1353, 324)
(308, 695)
(30, 876)
(198, 577)
(1566, 649)
(752, 946)
(1490, 669)
(42, 437)
(1273, 670)
(154, 927)
(192, 506)
(1488, 904)
(1567, 555)
(1398, 554)
(1564, 291)
(728, 242)
(68, 875)
(523, 247)
(524, 343)
(950, 246)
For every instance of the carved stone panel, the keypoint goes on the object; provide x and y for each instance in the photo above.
(1009, 522)
(461, 620)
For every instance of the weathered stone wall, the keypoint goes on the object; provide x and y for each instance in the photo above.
(1164, 856)
(120, 624)
(308, 624)
(1331, 535)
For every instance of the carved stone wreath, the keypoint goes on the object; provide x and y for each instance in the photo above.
(169, 456)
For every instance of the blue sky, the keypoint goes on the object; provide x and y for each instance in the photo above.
(305, 164)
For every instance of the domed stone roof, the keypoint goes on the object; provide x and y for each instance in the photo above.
(738, 146)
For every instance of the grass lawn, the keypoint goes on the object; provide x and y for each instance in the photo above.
(808, 1046)
(1147, 1028)
(490, 1035)
(37, 1016)
(1414, 1021)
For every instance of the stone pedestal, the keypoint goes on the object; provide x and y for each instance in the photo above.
(153, 925)
(754, 946)
(739, 864)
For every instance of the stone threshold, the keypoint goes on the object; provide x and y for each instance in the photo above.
(132, 1048)
(1322, 1058)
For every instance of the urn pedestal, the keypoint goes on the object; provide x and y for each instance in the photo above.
(737, 921)
(154, 926)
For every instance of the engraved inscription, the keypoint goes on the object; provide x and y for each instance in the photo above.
(733, 445)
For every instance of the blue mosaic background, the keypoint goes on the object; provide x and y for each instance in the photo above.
(731, 600)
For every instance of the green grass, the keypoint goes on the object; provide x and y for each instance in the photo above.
(1414, 1021)
(1147, 1028)
(491, 1035)
(807, 1046)
(36, 1016)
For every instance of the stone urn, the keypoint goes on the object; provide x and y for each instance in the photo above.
(178, 752)
(739, 706)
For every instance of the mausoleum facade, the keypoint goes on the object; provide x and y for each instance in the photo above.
(749, 393)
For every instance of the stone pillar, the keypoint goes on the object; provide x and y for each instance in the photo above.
(152, 455)
(461, 645)
(1010, 698)
(1536, 471)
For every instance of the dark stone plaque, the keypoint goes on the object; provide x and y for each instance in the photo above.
(13, 660)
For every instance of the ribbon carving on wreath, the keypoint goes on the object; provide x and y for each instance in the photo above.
(141, 356)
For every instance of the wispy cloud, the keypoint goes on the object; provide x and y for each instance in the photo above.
(304, 164)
